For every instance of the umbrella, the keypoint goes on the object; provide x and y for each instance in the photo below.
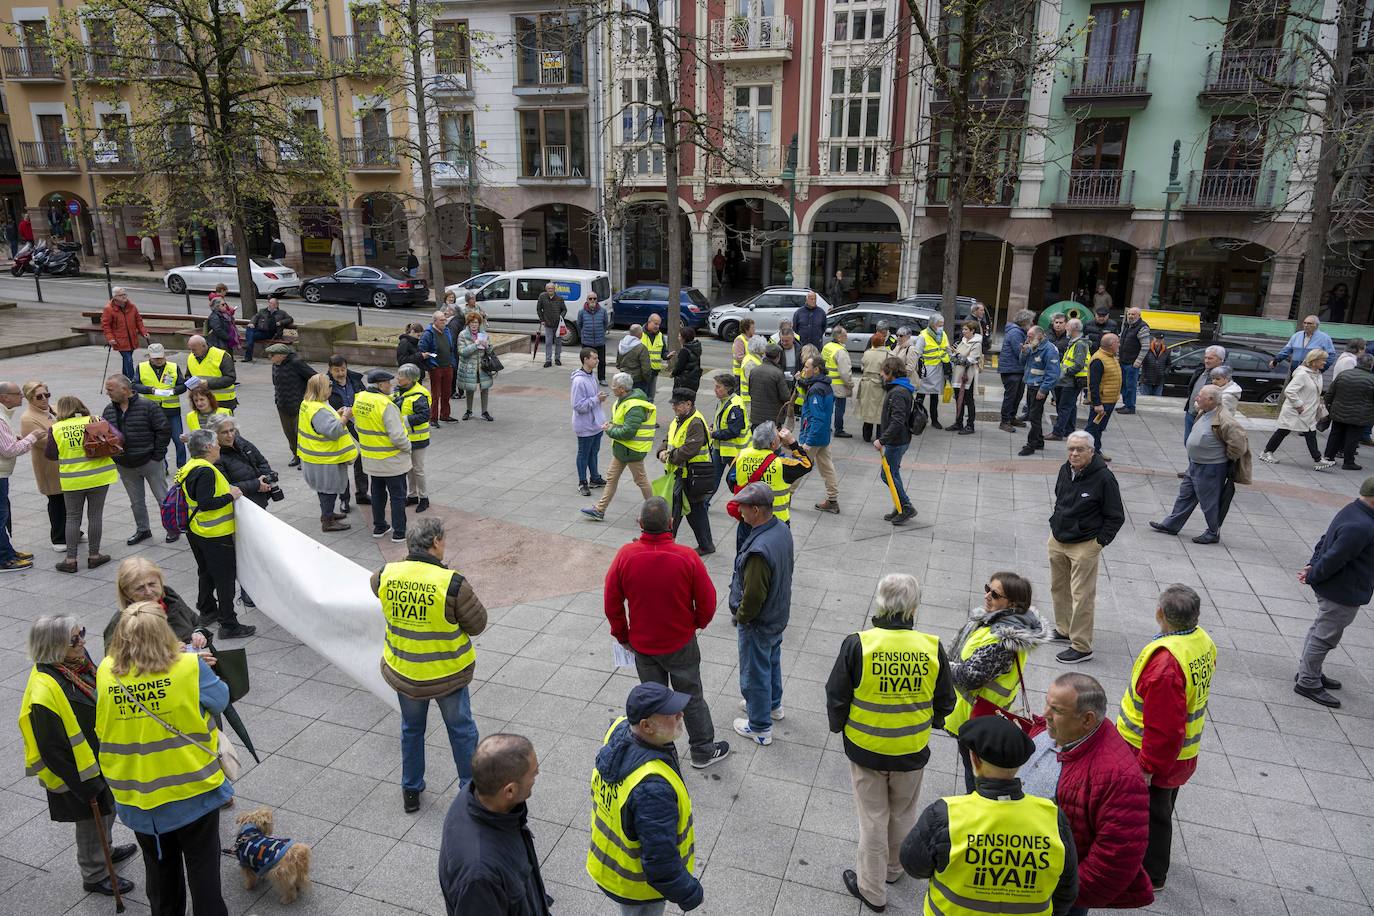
(891, 486)
(231, 715)
(232, 667)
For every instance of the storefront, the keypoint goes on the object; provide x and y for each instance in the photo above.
(1217, 276)
(1072, 266)
(863, 238)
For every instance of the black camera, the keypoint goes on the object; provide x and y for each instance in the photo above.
(275, 494)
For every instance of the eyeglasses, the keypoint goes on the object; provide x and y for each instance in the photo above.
(41, 396)
(78, 637)
(989, 590)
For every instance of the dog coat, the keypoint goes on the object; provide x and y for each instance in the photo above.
(257, 850)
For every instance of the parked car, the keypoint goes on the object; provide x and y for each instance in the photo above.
(767, 308)
(270, 278)
(636, 304)
(963, 305)
(1249, 367)
(511, 295)
(475, 282)
(380, 287)
(861, 319)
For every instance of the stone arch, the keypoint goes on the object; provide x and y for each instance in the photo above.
(695, 221)
(383, 225)
(715, 205)
(1215, 275)
(565, 235)
(1070, 265)
(815, 207)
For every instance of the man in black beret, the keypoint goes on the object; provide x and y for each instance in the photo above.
(996, 848)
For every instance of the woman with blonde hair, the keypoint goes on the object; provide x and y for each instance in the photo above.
(326, 450)
(1302, 408)
(140, 579)
(163, 764)
(39, 415)
(85, 481)
(967, 359)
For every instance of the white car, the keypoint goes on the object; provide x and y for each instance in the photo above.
(768, 309)
(270, 278)
(472, 284)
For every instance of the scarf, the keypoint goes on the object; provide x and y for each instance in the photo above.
(81, 675)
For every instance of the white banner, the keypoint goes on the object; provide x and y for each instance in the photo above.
(319, 597)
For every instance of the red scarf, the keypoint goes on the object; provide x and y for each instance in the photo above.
(81, 674)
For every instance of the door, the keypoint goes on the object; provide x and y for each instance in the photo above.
(376, 137)
(351, 285)
(495, 300)
(36, 51)
(754, 127)
(630, 306)
(1234, 157)
(52, 135)
(1112, 45)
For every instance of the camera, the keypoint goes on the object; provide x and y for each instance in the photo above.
(275, 494)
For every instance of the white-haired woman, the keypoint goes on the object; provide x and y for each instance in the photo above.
(1302, 407)
(932, 350)
(968, 359)
(754, 348)
(57, 720)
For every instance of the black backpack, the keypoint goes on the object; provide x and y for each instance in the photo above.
(917, 417)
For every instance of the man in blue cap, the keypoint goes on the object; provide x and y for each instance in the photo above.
(643, 848)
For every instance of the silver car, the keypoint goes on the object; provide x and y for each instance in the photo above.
(861, 319)
(768, 309)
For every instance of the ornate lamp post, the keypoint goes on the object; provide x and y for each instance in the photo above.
(1171, 194)
(789, 175)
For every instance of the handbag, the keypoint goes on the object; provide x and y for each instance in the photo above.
(98, 440)
(227, 755)
(1030, 723)
(491, 363)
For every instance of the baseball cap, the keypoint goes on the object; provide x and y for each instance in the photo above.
(157, 351)
(651, 699)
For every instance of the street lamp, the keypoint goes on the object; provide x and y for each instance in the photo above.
(474, 260)
(789, 175)
(1171, 195)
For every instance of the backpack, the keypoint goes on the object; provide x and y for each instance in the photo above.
(176, 516)
(98, 440)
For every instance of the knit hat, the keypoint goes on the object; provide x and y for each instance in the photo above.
(997, 741)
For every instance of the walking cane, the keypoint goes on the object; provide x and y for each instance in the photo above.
(106, 374)
(105, 847)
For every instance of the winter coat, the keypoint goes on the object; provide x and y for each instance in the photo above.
(809, 325)
(1089, 507)
(242, 464)
(44, 468)
(1103, 794)
(871, 385)
(769, 393)
(1231, 434)
(818, 409)
(1304, 391)
(649, 815)
(218, 330)
(487, 861)
(633, 357)
(1094, 331)
(592, 325)
(341, 396)
(1011, 360)
(1018, 632)
(183, 620)
(145, 429)
(429, 344)
(686, 369)
(122, 327)
(1153, 364)
(1343, 560)
(588, 414)
(277, 250)
(471, 376)
(289, 380)
(55, 749)
(461, 607)
(1350, 398)
(893, 427)
(269, 323)
(657, 594)
(1041, 368)
(550, 309)
(408, 351)
(634, 418)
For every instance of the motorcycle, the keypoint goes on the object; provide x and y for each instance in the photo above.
(22, 259)
(61, 261)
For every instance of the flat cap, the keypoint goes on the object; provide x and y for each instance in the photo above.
(997, 741)
(1367, 488)
(378, 375)
(757, 493)
(279, 350)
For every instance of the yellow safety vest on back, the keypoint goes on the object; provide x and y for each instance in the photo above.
(74, 470)
(144, 765)
(614, 860)
(43, 690)
(642, 439)
(166, 378)
(1078, 352)
(208, 523)
(421, 644)
(1005, 856)
(316, 449)
(654, 345)
(1196, 654)
(369, 408)
(748, 462)
(1001, 690)
(406, 401)
(210, 367)
(891, 710)
(747, 364)
(832, 366)
(934, 351)
(677, 438)
(193, 417)
(729, 448)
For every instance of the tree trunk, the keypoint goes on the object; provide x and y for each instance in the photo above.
(667, 106)
(426, 158)
(248, 299)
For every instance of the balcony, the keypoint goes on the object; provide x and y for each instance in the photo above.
(744, 163)
(743, 39)
(166, 62)
(101, 62)
(993, 91)
(1095, 189)
(30, 65)
(854, 160)
(1114, 81)
(370, 154)
(451, 171)
(1239, 72)
(360, 52)
(1230, 189)
(453, 76)
(979, 191)
(52, 156)
(296, 58)
(112, 157)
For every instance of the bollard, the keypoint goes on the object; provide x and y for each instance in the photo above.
(38, 287)
(360, 316)
(187, 294)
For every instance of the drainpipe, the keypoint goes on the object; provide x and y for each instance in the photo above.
(345, 222)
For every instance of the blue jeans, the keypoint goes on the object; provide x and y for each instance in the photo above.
(7, 552)
(1152, 390)
(839, 414)
(456, 709)
(250, 336)
(174, 420)
(394, 490)
(760, 675)
(588, 448)
(126, 361)
(1066, 411)
(1130, 379)
(893, 454)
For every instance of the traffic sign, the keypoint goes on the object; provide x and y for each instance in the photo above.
(73, 207)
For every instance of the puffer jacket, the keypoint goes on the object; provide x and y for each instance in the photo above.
(1153, 365)
(897, 405)
(817, 411)
(1011, 361)
(1017, 630)
(650, 815)
(1103, 794)
(686, 370)
(242, 464)
(1350, 399)
(592, 325)
(145, 429)
(289, 380)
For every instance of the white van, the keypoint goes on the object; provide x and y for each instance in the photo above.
(512, 295)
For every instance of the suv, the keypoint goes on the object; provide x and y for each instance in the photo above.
(767, 308)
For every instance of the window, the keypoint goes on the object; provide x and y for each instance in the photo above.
(549, 50)
(1112, 44)
(553, 143)
(6, 147)
(990, 165)
(298, 41)
(1100, 144)
(353, 273)
(529, 287)
(496, 289)
(641, 127)
(456, 137)
(305, 131)
(451, 46)
(36, 53)
(1234, 143)
(752, 144)
(856, 107)
(861, 20)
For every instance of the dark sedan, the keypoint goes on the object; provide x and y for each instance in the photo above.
(1249, 367)
(380, 287)
(636, 304)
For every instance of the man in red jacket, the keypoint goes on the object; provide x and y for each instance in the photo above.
(670, 596)
(123, 327)
(1102, 793)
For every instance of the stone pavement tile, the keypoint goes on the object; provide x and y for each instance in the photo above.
(370, 754)
(765, 848)
(801, 726)
(428, 829)
(1224, 852)
(320, 742)
(322, 900)
(549, 710)
(507, 640)
(90, 905)
(737, 892)
(566, 862)
(796, 764)
(1298, 902)
(1359, 732)
(1211, 807)
(57, 891)
(380, 810)
(571, 900)
(1313, 871)
(818, 860)
(346, 855)
(332, 793)
(17, 809)
(358, 709)
(1354, 832)
(498, 701)
(393, 880)
(802, 900)
(1302, 824)
(307, 698)
(37, 841)
(562, 799)
(1340, 793)
(832, 814)
(1329, 756)
(1271, 780)
(764, 799)
(571, 755)
(1251, 743)
(11, 873)
(275, 779)
(1218, 895)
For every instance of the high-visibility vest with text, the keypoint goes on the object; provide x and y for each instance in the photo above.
(1000, 691)
(207, 523)
(369, 410)
(1196, 654)
(316, 449)
(43, 690)
(421, 644)
(165, 378)
(406, 401)
(211, 366)
(677, 438)
(748, 462)
(74, 470)
(891, 710)
(729, 448)
(642, 439)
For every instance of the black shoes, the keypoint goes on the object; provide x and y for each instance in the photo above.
(1026, 451)
(597, 483)
(1006, 427)
(138, 537)
(891, 515)
(120, 853)
(1057, 636)
(1072, 656)
(1317, 695)
(584, 489)
(172, 537)
(467, 415)
(412, 500)
(236, 631)
(488, 417)
(295, 462)
(851, 884)
(410, 800)
(841, 434)
(719, 752)
(103, 886)
(1158, 527)
(1330, 683)
(967, 430)
(1207, 537)
(547, 365)
(904, 516)
(423, 505)
(362, 500)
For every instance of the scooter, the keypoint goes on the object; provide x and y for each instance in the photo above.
(22, 259)
(63, 261)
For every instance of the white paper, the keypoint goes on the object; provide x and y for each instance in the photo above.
(621, 657)
(321, 598)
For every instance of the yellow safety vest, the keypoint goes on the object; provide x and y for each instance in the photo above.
(209, 367)
(735, 363)
(832, 367)
(934, 352)
(677, 438)
(421, 645)
(74, 470)
(642, 439)
(193, 418)
(43, 690)
(1196, 654)
(369, 407)
(1005, 856)
(729, 448)
(210, 523)
(1001, 690)
(406, 401)
(748, 462)
(655, 347)
(891, 710)
(144, 765)
(750, 360)
(614, 860)
(1081, 344)
(151, 377)
(316, 449)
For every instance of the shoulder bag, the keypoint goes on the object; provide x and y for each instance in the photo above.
(98, 440)
(228, 755)
(1030, 723)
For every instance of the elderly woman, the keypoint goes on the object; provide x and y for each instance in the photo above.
(220, 330)
(326, 449)
(1302, 408)
(754, 349)
(203, 404)
(871, 383)
(588, 420)
(470, 307)
(739, 346)
(1350, 399)
(38, 415)
(413, 400)
(450, 300)
(57, 721)
(989, 654)
(85, 481)
(140, 579)
(241, 462)
(210, 500)
(169, 797)
(472, 345)
(932, 350)
(968, 359)
(344, 386)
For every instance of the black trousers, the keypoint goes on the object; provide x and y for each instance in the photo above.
(964, 409)
(1310, 437)
(600, 362)
(289, 419)
(681, 670)
(189, 854)
(1343, 440)
(934, 406)
(1035, 434)
(57, 519)
(700, 521)
(1160, 845)
(216, 569)
(1012, 389)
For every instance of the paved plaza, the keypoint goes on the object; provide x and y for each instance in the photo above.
(1278, 820)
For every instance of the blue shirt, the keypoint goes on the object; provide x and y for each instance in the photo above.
(1296, 350)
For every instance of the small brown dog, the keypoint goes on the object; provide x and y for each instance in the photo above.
(285, 862)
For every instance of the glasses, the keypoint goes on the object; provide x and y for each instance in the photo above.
(989, 590)
(78, 636)
(41, 396)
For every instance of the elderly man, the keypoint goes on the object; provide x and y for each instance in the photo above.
(769, 389)
(123, 328)
(1011, 367)
(1135, 341)
(210, 501)
(1042, 373)
(551, 310)
(1088, 513)
(11, 447)
(146, 433)
(1102, 793)
(657, 596)
(1341, 573)
(415, 405)
(889, 688)
(760, 606)
(1215, 441)
(1304, 341)
(632, 358)
(1212, 357)
(1073, 378)
(267, 324)
(384, 446)
(631, 430)
(290, 374)
(774, 457)
(1104, 386)
(163, 383)
(215, 368)
(1223, 378)
(656, 345)
(1164, 713)
(841, 372)
(438, 347)
(809, 322)
(789, 350)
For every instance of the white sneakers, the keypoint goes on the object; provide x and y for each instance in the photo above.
(778, 714)
(742, 728)
(1325, 464)
(1268, 458)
